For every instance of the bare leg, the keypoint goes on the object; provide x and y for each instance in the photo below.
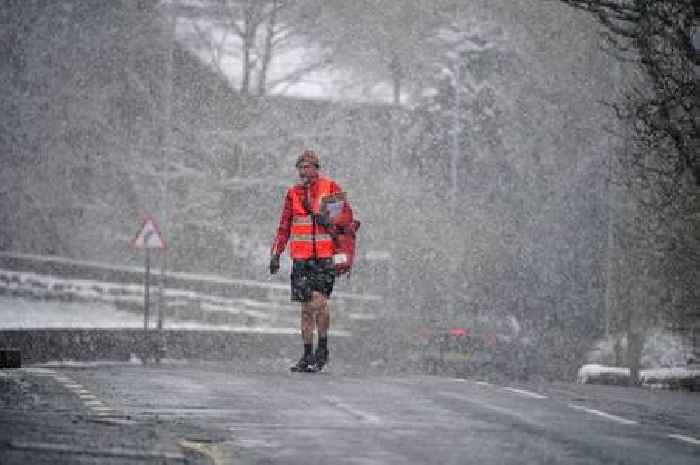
(323, 318)
(307, 322)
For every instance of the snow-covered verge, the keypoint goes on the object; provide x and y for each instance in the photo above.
(660, 348)
(205, 298)
(33, 300)
(21, 313)
(665, 378)
(182, 304)
(668, 359)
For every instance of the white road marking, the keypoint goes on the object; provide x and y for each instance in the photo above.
(102, 409)
(91, 403)
(88, 398)
(115, 452)
(359, 414)
(624, 421)
(39, 371)
(483, 383)
(688, 439)
(525, 393)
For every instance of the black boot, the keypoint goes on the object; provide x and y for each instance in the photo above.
(321, 355)
(307, 362)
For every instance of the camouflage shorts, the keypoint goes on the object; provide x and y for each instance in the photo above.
(312, 275)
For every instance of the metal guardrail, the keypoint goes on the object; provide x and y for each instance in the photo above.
(208, 299)
(121, 273)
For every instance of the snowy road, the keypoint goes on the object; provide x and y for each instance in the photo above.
(264, 414)
(255, 411)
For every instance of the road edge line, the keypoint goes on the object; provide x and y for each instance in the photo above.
(608, 416)
(525, 393)
(684, 438)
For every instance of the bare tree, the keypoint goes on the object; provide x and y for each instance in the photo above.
(662, 35)
(389, 41)
(251, 32)
(654, 231)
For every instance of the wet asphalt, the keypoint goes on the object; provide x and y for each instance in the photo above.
(179, 412)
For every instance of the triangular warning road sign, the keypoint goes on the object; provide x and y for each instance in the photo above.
(149, 237)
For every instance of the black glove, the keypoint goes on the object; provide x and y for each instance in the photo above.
(323, 220)
(274, 263)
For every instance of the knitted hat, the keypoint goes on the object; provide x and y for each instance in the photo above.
(308, 156)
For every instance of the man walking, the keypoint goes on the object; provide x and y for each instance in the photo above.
(311, 250)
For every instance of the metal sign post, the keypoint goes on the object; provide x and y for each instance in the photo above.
(146, 292)
(149, 237)
(161, 285)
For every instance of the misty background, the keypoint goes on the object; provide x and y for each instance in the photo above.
(479, 143)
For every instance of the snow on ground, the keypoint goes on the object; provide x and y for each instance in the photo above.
(20, 313)
(44, 301)
(200, 277)
(595, 373)
(590, 372)
(41, 285)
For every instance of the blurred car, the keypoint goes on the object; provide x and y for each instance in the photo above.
(462, 352)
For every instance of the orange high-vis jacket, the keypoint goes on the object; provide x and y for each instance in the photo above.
(307, 239)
